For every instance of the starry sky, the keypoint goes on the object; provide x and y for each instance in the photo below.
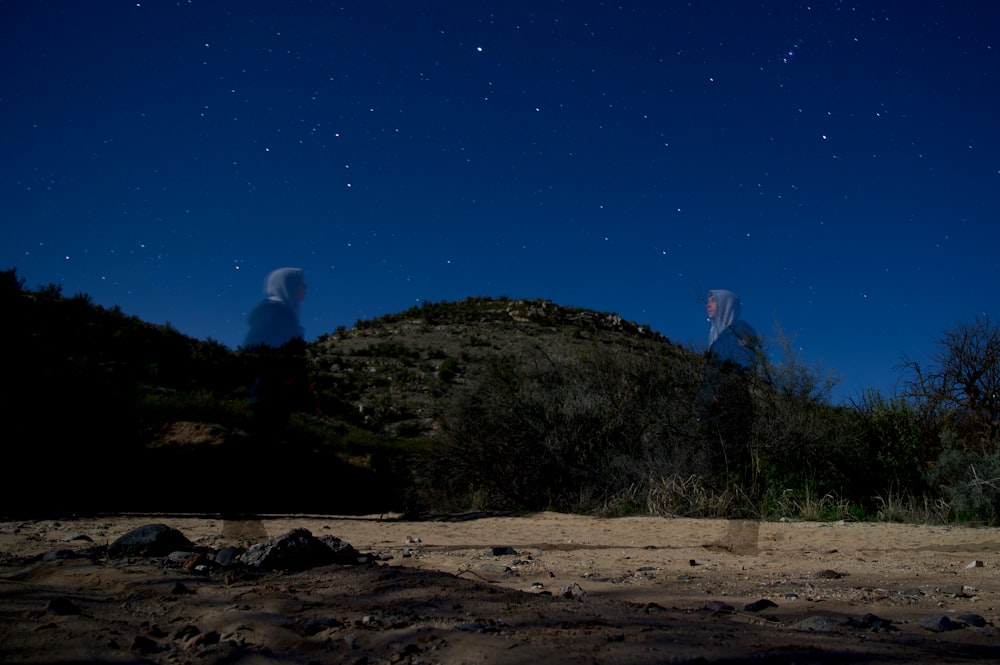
(835, 163)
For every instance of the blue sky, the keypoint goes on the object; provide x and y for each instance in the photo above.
(836, 164)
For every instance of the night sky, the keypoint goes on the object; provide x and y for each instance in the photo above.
(837, 164)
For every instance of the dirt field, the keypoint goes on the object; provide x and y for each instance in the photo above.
(539, 588)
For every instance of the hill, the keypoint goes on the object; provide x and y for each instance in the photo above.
(404, 373)
(114, 413)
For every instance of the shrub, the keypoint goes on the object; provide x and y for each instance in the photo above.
(894, 443)
(534, 433)
(969, 480)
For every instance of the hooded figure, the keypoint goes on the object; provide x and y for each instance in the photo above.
(724, 402)
(276, 347)
(730, 339)
(275, 321)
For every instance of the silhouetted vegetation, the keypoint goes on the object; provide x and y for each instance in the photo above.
(480, 404)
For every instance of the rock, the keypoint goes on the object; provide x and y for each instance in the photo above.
(79, 536)
(975, 564)
(344, 553)
(58, 555)
(502, 550)
(143, 644)
(149, 540)
(956, 590)
(938, 623)
(873, 623)
(829, 574)
(573, 591)
(974, 620)
(759, 605)
(299, 550)
(62, 607)
(179, 556)
(227, 556)
(818, 622)
(314, 625)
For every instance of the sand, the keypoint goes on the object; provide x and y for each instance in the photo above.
(535, 588)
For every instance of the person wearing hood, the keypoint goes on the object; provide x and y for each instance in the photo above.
(730, 339)
(276, 346)
(724, 403)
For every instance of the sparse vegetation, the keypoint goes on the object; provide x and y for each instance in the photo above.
(493, 404)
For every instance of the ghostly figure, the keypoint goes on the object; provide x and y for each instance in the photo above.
(724, 402)
(276, 346)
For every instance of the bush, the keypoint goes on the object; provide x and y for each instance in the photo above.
(969, 480)
(535, 434)
(800, 442)
(894, 443)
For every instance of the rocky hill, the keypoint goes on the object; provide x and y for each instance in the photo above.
(402, 373)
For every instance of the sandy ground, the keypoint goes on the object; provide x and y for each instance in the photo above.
(539, 588)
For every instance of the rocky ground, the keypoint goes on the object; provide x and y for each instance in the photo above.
(543, 587)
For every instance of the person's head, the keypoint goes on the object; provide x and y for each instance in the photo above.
(287, 286)
(711, 306)
(722, 307)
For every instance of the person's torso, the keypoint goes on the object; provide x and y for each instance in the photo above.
(272, 324)
(737, 344)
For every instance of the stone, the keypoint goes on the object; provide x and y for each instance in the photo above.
(759, 605)
(938, 623)
(149, 540)
(818, 622)
(299, 550)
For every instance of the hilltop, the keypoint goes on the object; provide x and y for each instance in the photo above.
(404, 372)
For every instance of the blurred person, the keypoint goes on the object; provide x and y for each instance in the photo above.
(275, 344)
(724, 401)
(275, 348)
